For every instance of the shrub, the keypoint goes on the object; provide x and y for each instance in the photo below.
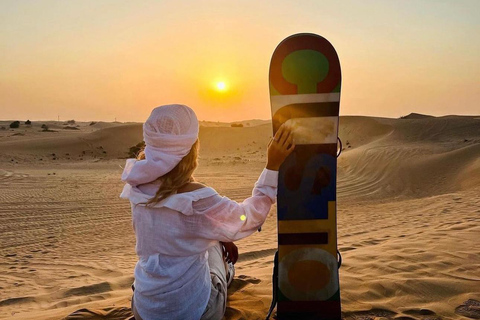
(15, 124)
(133, 151)
(44, 127)
(71, 121)
(48, 130)
(28, 122)
(92, 123)
(236, 125)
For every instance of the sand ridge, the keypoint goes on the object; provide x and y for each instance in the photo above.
(408, 218)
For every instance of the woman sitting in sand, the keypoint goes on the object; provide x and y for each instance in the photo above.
(185, 230)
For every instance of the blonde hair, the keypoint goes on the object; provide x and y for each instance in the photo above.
(177, 177)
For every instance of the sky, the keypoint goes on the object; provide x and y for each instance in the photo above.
(101, 60)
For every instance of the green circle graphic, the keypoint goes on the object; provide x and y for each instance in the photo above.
(305, 68)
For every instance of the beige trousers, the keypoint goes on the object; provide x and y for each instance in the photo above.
(218, 295)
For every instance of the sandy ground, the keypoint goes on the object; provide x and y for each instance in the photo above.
(408, 218)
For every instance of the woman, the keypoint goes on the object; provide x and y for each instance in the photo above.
(183, 227)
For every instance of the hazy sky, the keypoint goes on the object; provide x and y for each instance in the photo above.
(101, 60)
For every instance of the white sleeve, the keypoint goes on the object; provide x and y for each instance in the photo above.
(220, 218)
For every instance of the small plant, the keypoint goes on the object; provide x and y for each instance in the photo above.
(28, 122)
(71, 122)
(236, 125)
(46, 129)
(135, 150)
(15, 124)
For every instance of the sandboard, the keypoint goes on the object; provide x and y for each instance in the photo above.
(305, 82)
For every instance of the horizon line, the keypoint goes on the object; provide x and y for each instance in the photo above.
(254, 119)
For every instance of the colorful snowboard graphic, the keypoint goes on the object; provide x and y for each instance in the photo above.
(305, 80)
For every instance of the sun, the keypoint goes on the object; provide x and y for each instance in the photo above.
(221, 86)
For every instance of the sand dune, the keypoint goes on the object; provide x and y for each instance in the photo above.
(107, 142)
(414, 158)
(408, 218)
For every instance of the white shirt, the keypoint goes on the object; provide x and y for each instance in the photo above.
(172, 278)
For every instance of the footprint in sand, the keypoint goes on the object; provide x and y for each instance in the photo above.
(370, 314)
(469, 309)
(345, 249)
(419, 312)
(241, 282)
(15, 301)
(232, 313)
(88, 290)
(257, 254)
(103, 313)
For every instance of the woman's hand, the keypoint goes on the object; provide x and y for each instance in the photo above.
(279, 147)
(230, 251)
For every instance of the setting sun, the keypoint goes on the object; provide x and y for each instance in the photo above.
(221, 86)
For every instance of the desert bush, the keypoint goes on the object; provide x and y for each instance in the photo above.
(236, 125)
(46, 129)
(3, 128)
(15, 124)
(28, 122)
(133, 151)
(71, 121)
(93, 122)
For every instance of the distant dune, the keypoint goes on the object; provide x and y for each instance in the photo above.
(416, 116)
(382, 156)
(243, 123)
(420, 157)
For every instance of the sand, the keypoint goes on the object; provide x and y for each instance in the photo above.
(408, 218)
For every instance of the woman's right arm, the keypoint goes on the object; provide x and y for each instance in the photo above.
(220, 218)
(226, 220)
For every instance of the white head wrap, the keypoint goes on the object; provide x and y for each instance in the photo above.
(169, 134)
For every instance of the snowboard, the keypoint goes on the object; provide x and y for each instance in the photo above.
(305, 82)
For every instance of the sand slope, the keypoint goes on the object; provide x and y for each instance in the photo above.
(414, 158)
(408, 218)
(87, 142)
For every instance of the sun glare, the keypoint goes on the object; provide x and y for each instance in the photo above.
(221, 86)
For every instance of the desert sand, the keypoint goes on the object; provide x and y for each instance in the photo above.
(408, 218)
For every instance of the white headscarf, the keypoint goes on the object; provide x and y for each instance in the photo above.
(169, 135)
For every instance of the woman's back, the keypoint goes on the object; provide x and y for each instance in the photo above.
(166, 227)
(171, 264)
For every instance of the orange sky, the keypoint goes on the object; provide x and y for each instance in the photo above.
(101, 60)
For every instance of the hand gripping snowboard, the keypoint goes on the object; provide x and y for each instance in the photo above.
(305, 81)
